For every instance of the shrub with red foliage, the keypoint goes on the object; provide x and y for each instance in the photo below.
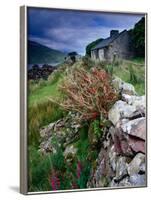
(88, 92)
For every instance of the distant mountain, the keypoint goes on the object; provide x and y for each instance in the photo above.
(40, 54)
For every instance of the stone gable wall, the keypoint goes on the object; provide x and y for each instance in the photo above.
(120, 48)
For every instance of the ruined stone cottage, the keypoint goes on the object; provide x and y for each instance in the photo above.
(117, 46)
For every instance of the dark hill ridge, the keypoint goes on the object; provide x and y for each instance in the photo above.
(40, 54)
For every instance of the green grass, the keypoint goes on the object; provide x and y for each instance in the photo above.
(138, 60)
(41, 93)
(41, 167)
(39, 170)
(123, 71)
(40, 115)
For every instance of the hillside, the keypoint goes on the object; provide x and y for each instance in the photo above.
(40, 54)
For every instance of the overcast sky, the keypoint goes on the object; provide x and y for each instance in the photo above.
(73, 30)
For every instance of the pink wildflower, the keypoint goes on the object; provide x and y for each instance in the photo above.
(79, 169)
(55, 182)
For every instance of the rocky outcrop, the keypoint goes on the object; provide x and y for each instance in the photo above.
(121, 161)
(40, 72)
(121, 86)
(60, 133)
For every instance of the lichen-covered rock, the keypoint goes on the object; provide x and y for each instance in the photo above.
(48, 146)
(121, 145)
(139, 102)
(138, 180)
(46, 131)
(103, 174)
(123, 87)
(114, 170)
(70, 153)
(64, 131)
(137, 145)
(136, 127)
(137, 114)
(121, 167)
(113, 158)
(123, 183)
(120, 110)
(134, 180)
(117, 83)
(127, 88)
(134, 167)
(129, 139)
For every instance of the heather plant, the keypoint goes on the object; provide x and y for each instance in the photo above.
(88, 92)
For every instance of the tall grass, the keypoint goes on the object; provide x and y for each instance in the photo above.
(40, 91)
(132, 73)
(134, 79)
(41, 168)
(40, 115)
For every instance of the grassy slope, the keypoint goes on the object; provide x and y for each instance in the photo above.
(42, 94)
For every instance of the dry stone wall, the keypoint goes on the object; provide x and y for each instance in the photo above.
(122, 158)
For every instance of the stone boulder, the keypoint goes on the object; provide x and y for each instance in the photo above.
(138, 101)
(135, 166)
(70, 153)
(123, 87)
(62, 132)
(130, 136)
(127, 88)
(136, 128)
(120, 110)
(37, 72)
(138, 180)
